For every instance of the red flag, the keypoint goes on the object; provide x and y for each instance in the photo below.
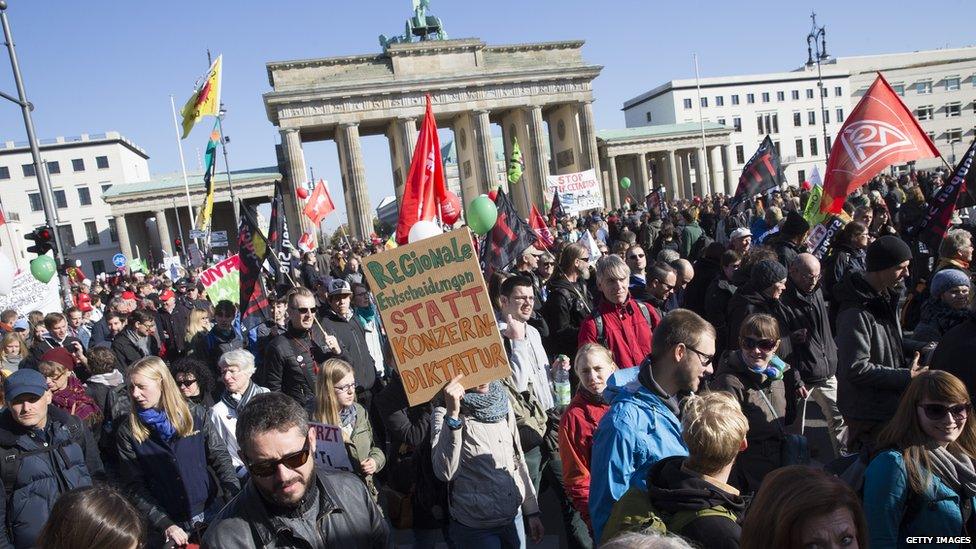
(537, 222)
(319, 204)
(880, 132)
(3, 218)
(424, 189)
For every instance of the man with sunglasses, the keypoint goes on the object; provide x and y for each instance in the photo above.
(641, 427)
(288, 501)
(662, 282)
(569, 301)
(290, 359)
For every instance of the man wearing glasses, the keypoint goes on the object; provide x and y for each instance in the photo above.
(642, 425)
(569, 301)
(288, 501)
(290, 359)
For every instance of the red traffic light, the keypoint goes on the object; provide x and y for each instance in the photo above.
(43, 239)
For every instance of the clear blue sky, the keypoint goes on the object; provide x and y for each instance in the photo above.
(98, 65)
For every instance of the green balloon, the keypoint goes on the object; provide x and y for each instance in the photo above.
(43, 268)
(482, 214)
(625, 183)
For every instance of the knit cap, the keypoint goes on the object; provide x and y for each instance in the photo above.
(885, 253)
(947, 279)
(794, 224)
(766, 273)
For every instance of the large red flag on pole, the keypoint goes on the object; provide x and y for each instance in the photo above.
(538, 223)
(424, 188)
(879, 132)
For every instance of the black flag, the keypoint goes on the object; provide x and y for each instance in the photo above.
(556, 211)
(278, 242)
(932, 228)
(510, 236)
(967, 196)
(763, 172)
(253, 249)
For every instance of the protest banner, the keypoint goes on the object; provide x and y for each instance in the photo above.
(330, 448)
(577, 192)
(223, 280)
(820, 237)
(434, 304)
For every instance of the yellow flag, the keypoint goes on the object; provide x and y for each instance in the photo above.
(205, 101)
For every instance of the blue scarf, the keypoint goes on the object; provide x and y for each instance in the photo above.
(158, 422)
(365, 315)
(489, 407)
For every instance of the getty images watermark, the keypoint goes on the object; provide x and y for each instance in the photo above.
(954, 540)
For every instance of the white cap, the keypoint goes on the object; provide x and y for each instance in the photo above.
(740, 232)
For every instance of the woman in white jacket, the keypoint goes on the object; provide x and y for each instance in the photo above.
(236, 368)
(476, 448)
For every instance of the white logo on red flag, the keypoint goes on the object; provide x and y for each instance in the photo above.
(867, 140)
(319, 204)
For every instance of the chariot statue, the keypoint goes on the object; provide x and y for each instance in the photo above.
(421, 26)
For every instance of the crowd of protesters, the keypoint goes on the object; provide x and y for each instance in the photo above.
(694, 332)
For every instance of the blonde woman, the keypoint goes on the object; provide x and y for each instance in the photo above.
(199, 322)
(335, 404)
(165, 448)
(14, 351)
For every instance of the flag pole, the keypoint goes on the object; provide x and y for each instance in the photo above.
(186, 183)
(223, 147)
(701, 123)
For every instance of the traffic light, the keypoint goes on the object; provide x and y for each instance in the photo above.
(43, 238)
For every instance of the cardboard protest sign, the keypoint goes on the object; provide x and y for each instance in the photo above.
(434, 304)
(223, 280)
(577, 192)
(330, 448)
(820, 237)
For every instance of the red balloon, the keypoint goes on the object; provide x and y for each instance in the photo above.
(493, 194)
(450, 208)
(302, 192)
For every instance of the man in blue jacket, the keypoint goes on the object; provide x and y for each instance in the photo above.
(642, 424)
(44, 452)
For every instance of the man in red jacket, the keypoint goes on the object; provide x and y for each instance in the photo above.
(619, 323)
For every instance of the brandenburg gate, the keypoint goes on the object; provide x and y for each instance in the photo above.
(541, 94)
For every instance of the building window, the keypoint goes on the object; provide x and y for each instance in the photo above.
(91, 233)
(931, 136)
(740, 155)
(113, 230)
(952, 83)
(84, 196)
(737, 123)
(809, 93)
(750, 98)
(953, 110)
(78, 164)
(98, 267)
(813, 147)
(768, 123)
(4, 172)
(719, 101)
(735, 99)
(35, 202)
(66, 235)
(797, 120)
(899, 89)
(954, 135)
(924, 112)
(765, 97)
(838, 91)
(646, 115)
(840, 115)
(53, 167)
(801, 175)
(704, 102)
(828, 143)
(60, 199)
(721, 121)
(780, 96)
(28, 170)
(687, 103)
(811, 118)
(826, 116)
(101, 162)
(924, 87)
(799, 148)
(795, 94)
(823, 91)
(107, 186)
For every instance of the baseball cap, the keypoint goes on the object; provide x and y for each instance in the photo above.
(339, 286)
(24, 382)
(166, 295)
(21, 324)
(534, 251)
(740, 232)
(128, 295)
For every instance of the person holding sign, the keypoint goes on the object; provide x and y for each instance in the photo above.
(476, 448)
(335, 404)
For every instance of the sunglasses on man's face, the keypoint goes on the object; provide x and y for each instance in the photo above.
(749, 343)
(936, 412)
(292, 461)
(306, 310)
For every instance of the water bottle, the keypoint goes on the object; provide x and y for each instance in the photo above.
(560, 381)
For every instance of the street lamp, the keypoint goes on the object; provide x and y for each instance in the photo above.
(816, 52)
(952, 144)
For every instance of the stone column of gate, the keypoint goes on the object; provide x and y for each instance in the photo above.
(162, 226)
(122, 230)
(613, 200)
(488, 172)
(515, 124)
(713, 166)
(701, 172)
(537, 151)
(291, 148)
(727, 169)
(406, 129)
(588, 136)
(358, 210)
(672, 175)
(684, 158)
(644, 185)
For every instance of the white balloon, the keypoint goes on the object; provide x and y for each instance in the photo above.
(423, 229)
(7, 272)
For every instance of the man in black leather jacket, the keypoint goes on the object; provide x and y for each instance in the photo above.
(288, 501)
